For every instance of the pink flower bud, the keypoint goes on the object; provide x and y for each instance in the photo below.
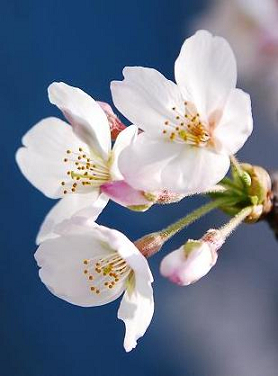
(190, 262)
(116, 126)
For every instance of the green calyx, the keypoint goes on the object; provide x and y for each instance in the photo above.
(190, 246)
(248, 186)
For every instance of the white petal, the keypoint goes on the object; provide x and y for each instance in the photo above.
(137, 306)
(136, 310)
(41, 160)
(62, 267)
(146, 98)
(90, 204)
(122, 141)
(151, 164)
(85, 115)
(236, 124)
(205, 71)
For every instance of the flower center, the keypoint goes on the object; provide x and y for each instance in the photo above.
(187, 127)
(105, 273)
(84, 173)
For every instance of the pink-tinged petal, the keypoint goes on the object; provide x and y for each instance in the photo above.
(150, 164)
(205, 71)
(86, 117)
(116, 126)
(236, 124)
(124, 194)
(88, 204)
(146, 98)
(41, 160)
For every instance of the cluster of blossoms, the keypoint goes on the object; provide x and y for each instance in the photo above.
(182, 142)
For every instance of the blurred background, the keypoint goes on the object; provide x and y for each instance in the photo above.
(224, 325)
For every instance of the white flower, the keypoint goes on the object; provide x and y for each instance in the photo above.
(190, 262)
(191, 128)
(74, 161)
(93, 265)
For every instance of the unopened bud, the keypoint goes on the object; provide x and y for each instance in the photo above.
(193, 260)
(259, 191)
(116, 126)
(150, 244)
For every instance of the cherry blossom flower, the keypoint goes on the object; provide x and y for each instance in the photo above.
(193, 260)
(93, 265)
(73, 162)
(190, 128)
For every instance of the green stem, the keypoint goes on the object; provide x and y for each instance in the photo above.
(171, 230)
(227, 229)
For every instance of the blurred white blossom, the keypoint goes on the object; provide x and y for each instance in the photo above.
(251, 27)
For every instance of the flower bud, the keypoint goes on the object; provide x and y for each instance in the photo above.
(192, 261)
(116, 126)
(259, 191)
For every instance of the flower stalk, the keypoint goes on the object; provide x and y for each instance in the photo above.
(174, 228)
(152, 243)
(229, 227)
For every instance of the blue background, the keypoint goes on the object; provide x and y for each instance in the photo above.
(226, 324)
